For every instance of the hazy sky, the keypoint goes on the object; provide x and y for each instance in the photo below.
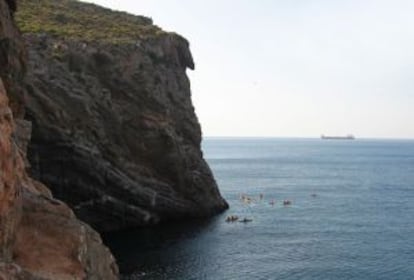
(297, 67)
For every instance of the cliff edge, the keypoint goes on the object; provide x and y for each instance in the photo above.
(40, 237)
(115, 134)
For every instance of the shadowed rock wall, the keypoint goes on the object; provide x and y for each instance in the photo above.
(40, 237)
(114, 130)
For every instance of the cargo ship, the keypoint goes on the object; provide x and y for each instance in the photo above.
(347, 137)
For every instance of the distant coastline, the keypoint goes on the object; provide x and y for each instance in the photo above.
(347, 137)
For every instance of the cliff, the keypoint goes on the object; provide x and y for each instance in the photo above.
(115, 134)
(40, 237)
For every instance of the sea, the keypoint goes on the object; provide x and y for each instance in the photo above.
(351, 215)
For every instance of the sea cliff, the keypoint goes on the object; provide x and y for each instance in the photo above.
(95, 107)
(40, 237)
(115, 134)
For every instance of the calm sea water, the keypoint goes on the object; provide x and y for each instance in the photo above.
(360, 225)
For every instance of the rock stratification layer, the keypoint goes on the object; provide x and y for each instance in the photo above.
(40, 237)
(115, 134)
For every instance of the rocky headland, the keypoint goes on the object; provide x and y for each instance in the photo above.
(114, 129)
(95, 105)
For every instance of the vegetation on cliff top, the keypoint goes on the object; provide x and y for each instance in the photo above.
(78, 20)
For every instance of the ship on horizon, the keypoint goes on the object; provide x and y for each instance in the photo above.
(347, 137)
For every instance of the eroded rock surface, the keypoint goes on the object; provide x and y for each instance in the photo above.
(52, 244)
(40, 237)
(114, 130)
(12, 58)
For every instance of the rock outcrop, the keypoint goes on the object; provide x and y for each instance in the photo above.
(40, 237)
(12, 58)
(115, 134)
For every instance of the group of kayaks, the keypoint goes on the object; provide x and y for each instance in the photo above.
(247, 200)
(235, 218)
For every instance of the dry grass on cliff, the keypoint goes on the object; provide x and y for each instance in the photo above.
(78, 20)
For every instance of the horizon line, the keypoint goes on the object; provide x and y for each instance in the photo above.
(305, 137)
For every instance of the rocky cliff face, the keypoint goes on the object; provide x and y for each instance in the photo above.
(114, 129)
(40, 237)
(13, 58)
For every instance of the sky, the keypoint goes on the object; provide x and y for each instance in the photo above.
(297, 68)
